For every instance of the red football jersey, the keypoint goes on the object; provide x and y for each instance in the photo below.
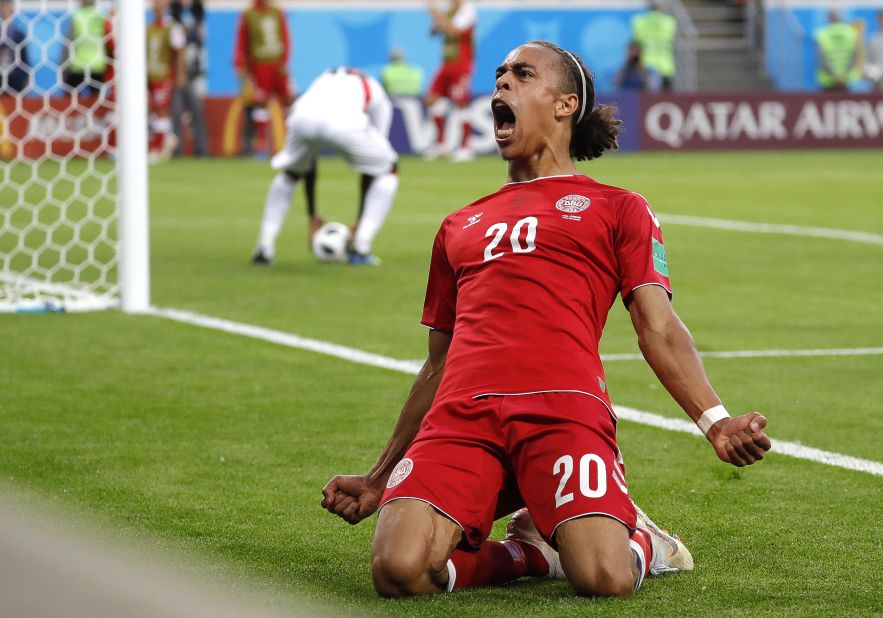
(524, 279)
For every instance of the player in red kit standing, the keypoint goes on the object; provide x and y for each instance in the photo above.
(263, 48)
(451, 84)
(511, 407)
(165, 72)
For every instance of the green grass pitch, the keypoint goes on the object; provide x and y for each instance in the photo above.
(218, 445)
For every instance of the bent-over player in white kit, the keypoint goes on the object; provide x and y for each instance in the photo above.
(349, 111)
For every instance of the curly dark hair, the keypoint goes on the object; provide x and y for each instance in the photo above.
(597, 131)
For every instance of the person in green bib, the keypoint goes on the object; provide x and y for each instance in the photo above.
(399, 78)
(86, 59)
(656, 32)
(839, 52)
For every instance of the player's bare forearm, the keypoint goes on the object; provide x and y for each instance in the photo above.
(449, 29)
(415, 408)
(355, 497)
(441, 24)
(180, 70)
(670, 351)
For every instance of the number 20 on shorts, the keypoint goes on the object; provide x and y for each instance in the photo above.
(592, 477)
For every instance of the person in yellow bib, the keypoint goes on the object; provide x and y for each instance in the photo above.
(839, 52)
(399, 78)
(262, 53)
(166, 72)
(450, 90)
(86, 59)
(656, 33)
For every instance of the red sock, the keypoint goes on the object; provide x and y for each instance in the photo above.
(467, 133)
(155, 141)
(496, 562)
(440, 129)
(262, 132)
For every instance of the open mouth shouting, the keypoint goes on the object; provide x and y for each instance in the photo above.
(504, 121)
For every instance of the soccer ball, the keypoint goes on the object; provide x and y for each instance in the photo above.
(329, 242)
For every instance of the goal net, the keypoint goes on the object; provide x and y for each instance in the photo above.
(62, 212)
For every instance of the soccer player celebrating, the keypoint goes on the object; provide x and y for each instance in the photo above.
(263, 47)
(511, 407)
(165, 72)
(349, 111)
(452, 82)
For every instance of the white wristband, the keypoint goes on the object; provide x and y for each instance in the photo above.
(710, 417)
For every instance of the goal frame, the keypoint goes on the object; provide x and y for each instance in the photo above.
(132, 198)
(124, 282)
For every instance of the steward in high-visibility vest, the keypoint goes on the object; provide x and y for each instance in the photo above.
(400, 78)
(838, 45)
(656, 33)
(87, 55)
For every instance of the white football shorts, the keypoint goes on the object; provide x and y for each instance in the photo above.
(366, 149)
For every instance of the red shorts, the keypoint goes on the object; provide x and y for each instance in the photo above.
(267, 82)
(159, 95)
(453, 81)
(475, 460)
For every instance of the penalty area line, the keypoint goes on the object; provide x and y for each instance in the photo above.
(353, 355)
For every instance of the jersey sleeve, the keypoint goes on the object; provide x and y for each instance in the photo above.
(440, 306)
(639, 249)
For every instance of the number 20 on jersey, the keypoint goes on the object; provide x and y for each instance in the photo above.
(526, 228)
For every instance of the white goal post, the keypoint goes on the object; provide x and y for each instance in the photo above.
(74, 230)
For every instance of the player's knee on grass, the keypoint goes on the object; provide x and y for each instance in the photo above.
(596, 556)
(410, 551)
(600, 580)
(406, 571)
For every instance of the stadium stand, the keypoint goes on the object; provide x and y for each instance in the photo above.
(728, 57)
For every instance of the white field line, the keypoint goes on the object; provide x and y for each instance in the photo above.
(288, 339)
(773, 228)
(763, 353)
(630, 356)
(792, 449)
(782, 447)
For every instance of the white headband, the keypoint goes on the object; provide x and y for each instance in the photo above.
(582, 76)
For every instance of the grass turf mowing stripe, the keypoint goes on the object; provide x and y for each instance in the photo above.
(773, 228)
(353, 355)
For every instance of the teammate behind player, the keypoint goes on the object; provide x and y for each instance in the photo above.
(263, 48)
(349, 111)
(165, 72)
(511, 407)
(451, 84)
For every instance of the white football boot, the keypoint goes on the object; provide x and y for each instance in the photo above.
(436, 151)
(169, 143)
(522, 528)
(670, 555)
(462, 155)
